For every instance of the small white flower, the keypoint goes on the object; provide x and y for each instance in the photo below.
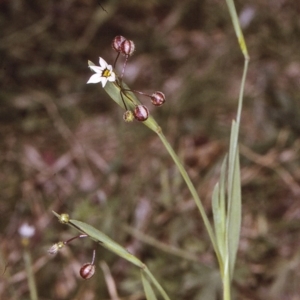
(103, 74)
(26, 231)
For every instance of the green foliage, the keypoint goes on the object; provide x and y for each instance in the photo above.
(150, 295)
(114, 247)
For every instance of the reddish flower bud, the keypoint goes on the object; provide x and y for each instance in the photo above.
(117, 41)
(158, 98)
(141, 113)
(127, 47)
(87, 271)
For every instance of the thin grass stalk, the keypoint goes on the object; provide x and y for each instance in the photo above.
(234, 143)
(156, 283)
(193, 192)
(30, 275)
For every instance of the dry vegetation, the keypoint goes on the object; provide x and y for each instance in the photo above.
(65, 147)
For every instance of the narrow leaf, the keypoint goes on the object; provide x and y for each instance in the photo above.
(234, 216)
(231, 155)
(237, 27)
(103, 240)
(217, 217)
(219, 211)
(222, 192)
(150, 295)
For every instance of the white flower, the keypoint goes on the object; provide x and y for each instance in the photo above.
(26, 231)
(103, 74)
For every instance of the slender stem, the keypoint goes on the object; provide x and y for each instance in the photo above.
(94, 255)
(138, 92)
(74, 238)
(241, 95)
(227, 275)
(30, 275)
(226, 282)
(194, 194)
(156, 283)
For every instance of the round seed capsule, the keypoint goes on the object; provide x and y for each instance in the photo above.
(116, 43)
(141, 113)
(128, 116)
(87, 271)
(127, 47)
(158, 98)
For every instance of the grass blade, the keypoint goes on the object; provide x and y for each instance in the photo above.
(150, 295)
(219, 212)
(234, 215)
(237, 28)
(111, 245)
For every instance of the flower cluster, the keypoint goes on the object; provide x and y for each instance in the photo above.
(88, 269)
(105, 72)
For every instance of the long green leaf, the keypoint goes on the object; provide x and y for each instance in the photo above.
(223, 193)
(231, 156)
(104, 240)
(111, 245)
(233, 226)
(237, 28)
(234, 215)
(217, 216)
(219, 212)
(150, 295)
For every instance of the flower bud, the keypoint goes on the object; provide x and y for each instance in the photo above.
(127, 47)
(117, 41)
(87, 271)
(128, 116)
(64, 218)
(158, 98)
(141, 113)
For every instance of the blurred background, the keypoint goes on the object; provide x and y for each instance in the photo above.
(65, 147)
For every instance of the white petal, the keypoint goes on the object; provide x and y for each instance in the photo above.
(112, 77)
(103, 80)
(102, 63)
(95, 78)
(96, 69)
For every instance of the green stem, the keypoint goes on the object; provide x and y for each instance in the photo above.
(227, 275)
(156, 283)
(193, 192)
(30, 275)
(226, 283)
(241, 95)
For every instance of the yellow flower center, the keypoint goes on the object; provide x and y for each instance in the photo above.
(106, 73)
